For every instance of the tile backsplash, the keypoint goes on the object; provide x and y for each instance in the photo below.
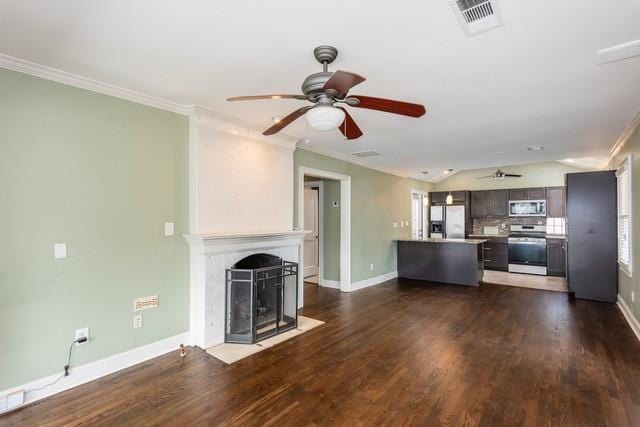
(503, 224)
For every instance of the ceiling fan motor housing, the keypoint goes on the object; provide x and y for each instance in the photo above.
(314, 83)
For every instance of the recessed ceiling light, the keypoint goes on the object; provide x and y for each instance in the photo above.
(276, 97)
(448, 170)
(569, 160)
(233, 131)
(276, 119)
(535, 148)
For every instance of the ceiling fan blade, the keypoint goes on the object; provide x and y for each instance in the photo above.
(513, 175)
(483, 177)
(256, 97)
(389, 106)
(287, 120)
(349, 128)
(342, 81)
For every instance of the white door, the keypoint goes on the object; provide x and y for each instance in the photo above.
(311, 239)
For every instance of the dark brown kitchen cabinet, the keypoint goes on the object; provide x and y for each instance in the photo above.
(556, 202)
(556, 257)
(491, 203)
(538, 193)
(440, 197)
(496, 255)
(518, 194)
(498, 203)
(437, 198)
(479, 204)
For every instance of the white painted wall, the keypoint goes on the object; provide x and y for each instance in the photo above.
(241, 184)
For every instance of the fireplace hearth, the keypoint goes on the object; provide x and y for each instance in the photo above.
(261, 298)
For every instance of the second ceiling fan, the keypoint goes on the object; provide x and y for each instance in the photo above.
(325, 89)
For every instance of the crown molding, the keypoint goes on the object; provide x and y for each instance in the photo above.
(625, 135)
(56, 75)
(348, 158)
(213, 120)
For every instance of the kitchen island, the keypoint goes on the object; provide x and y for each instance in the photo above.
(455, 261)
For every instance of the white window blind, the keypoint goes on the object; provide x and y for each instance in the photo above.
(624, 215)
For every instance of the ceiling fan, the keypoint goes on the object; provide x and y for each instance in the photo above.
(325, 89)
(498, 174)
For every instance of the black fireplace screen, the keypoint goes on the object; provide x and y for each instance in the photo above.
(261, 298)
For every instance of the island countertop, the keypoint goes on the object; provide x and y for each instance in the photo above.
(430, 240)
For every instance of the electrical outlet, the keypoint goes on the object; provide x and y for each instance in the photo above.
(336, 204)
(83, 332)
(371, 267)
(168, 228)
(137, 321)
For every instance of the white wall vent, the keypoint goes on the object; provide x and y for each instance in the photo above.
(477, 16)
(367, 153)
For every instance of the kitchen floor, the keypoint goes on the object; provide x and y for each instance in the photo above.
(547, 283)
(404, 352)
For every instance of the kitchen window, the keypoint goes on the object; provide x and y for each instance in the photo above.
(624, 215)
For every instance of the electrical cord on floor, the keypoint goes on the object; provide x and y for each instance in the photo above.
(66, 367)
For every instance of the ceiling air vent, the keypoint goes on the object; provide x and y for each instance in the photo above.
(367, 153)
(477, 16)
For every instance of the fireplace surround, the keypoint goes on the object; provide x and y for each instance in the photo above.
(211, 255)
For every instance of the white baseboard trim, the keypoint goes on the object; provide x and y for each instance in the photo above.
(355, 286)
(628, 314)
(91, 371)
(335, 284)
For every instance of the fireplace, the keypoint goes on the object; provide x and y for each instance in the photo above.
(261, 298)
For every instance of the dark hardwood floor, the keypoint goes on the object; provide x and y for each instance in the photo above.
(401, 353)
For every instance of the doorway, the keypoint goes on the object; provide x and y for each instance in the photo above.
(312, 221)
(419, 217)
(340, 210)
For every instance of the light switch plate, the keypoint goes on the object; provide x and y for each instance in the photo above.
(59, 250)
(168, 228)
(395, 225)
(82, 332)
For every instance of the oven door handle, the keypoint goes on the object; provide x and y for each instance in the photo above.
(528, 243)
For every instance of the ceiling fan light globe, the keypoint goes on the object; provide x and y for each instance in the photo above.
(325, 118)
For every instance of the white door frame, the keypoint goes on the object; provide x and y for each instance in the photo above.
(425, 214)
(345, 225)
(320, 186)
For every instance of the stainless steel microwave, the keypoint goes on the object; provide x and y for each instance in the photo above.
(527, 208)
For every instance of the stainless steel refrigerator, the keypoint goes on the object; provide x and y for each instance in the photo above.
(454, 220)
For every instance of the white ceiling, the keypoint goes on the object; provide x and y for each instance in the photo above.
(533, 81)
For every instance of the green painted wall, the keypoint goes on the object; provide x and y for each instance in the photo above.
(331, 231)
(546, 174)
(102, 175)
(377, 201)
(627, 284)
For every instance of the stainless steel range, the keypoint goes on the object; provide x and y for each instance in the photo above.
(528, 249)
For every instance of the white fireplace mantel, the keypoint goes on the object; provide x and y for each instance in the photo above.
(210, 256)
